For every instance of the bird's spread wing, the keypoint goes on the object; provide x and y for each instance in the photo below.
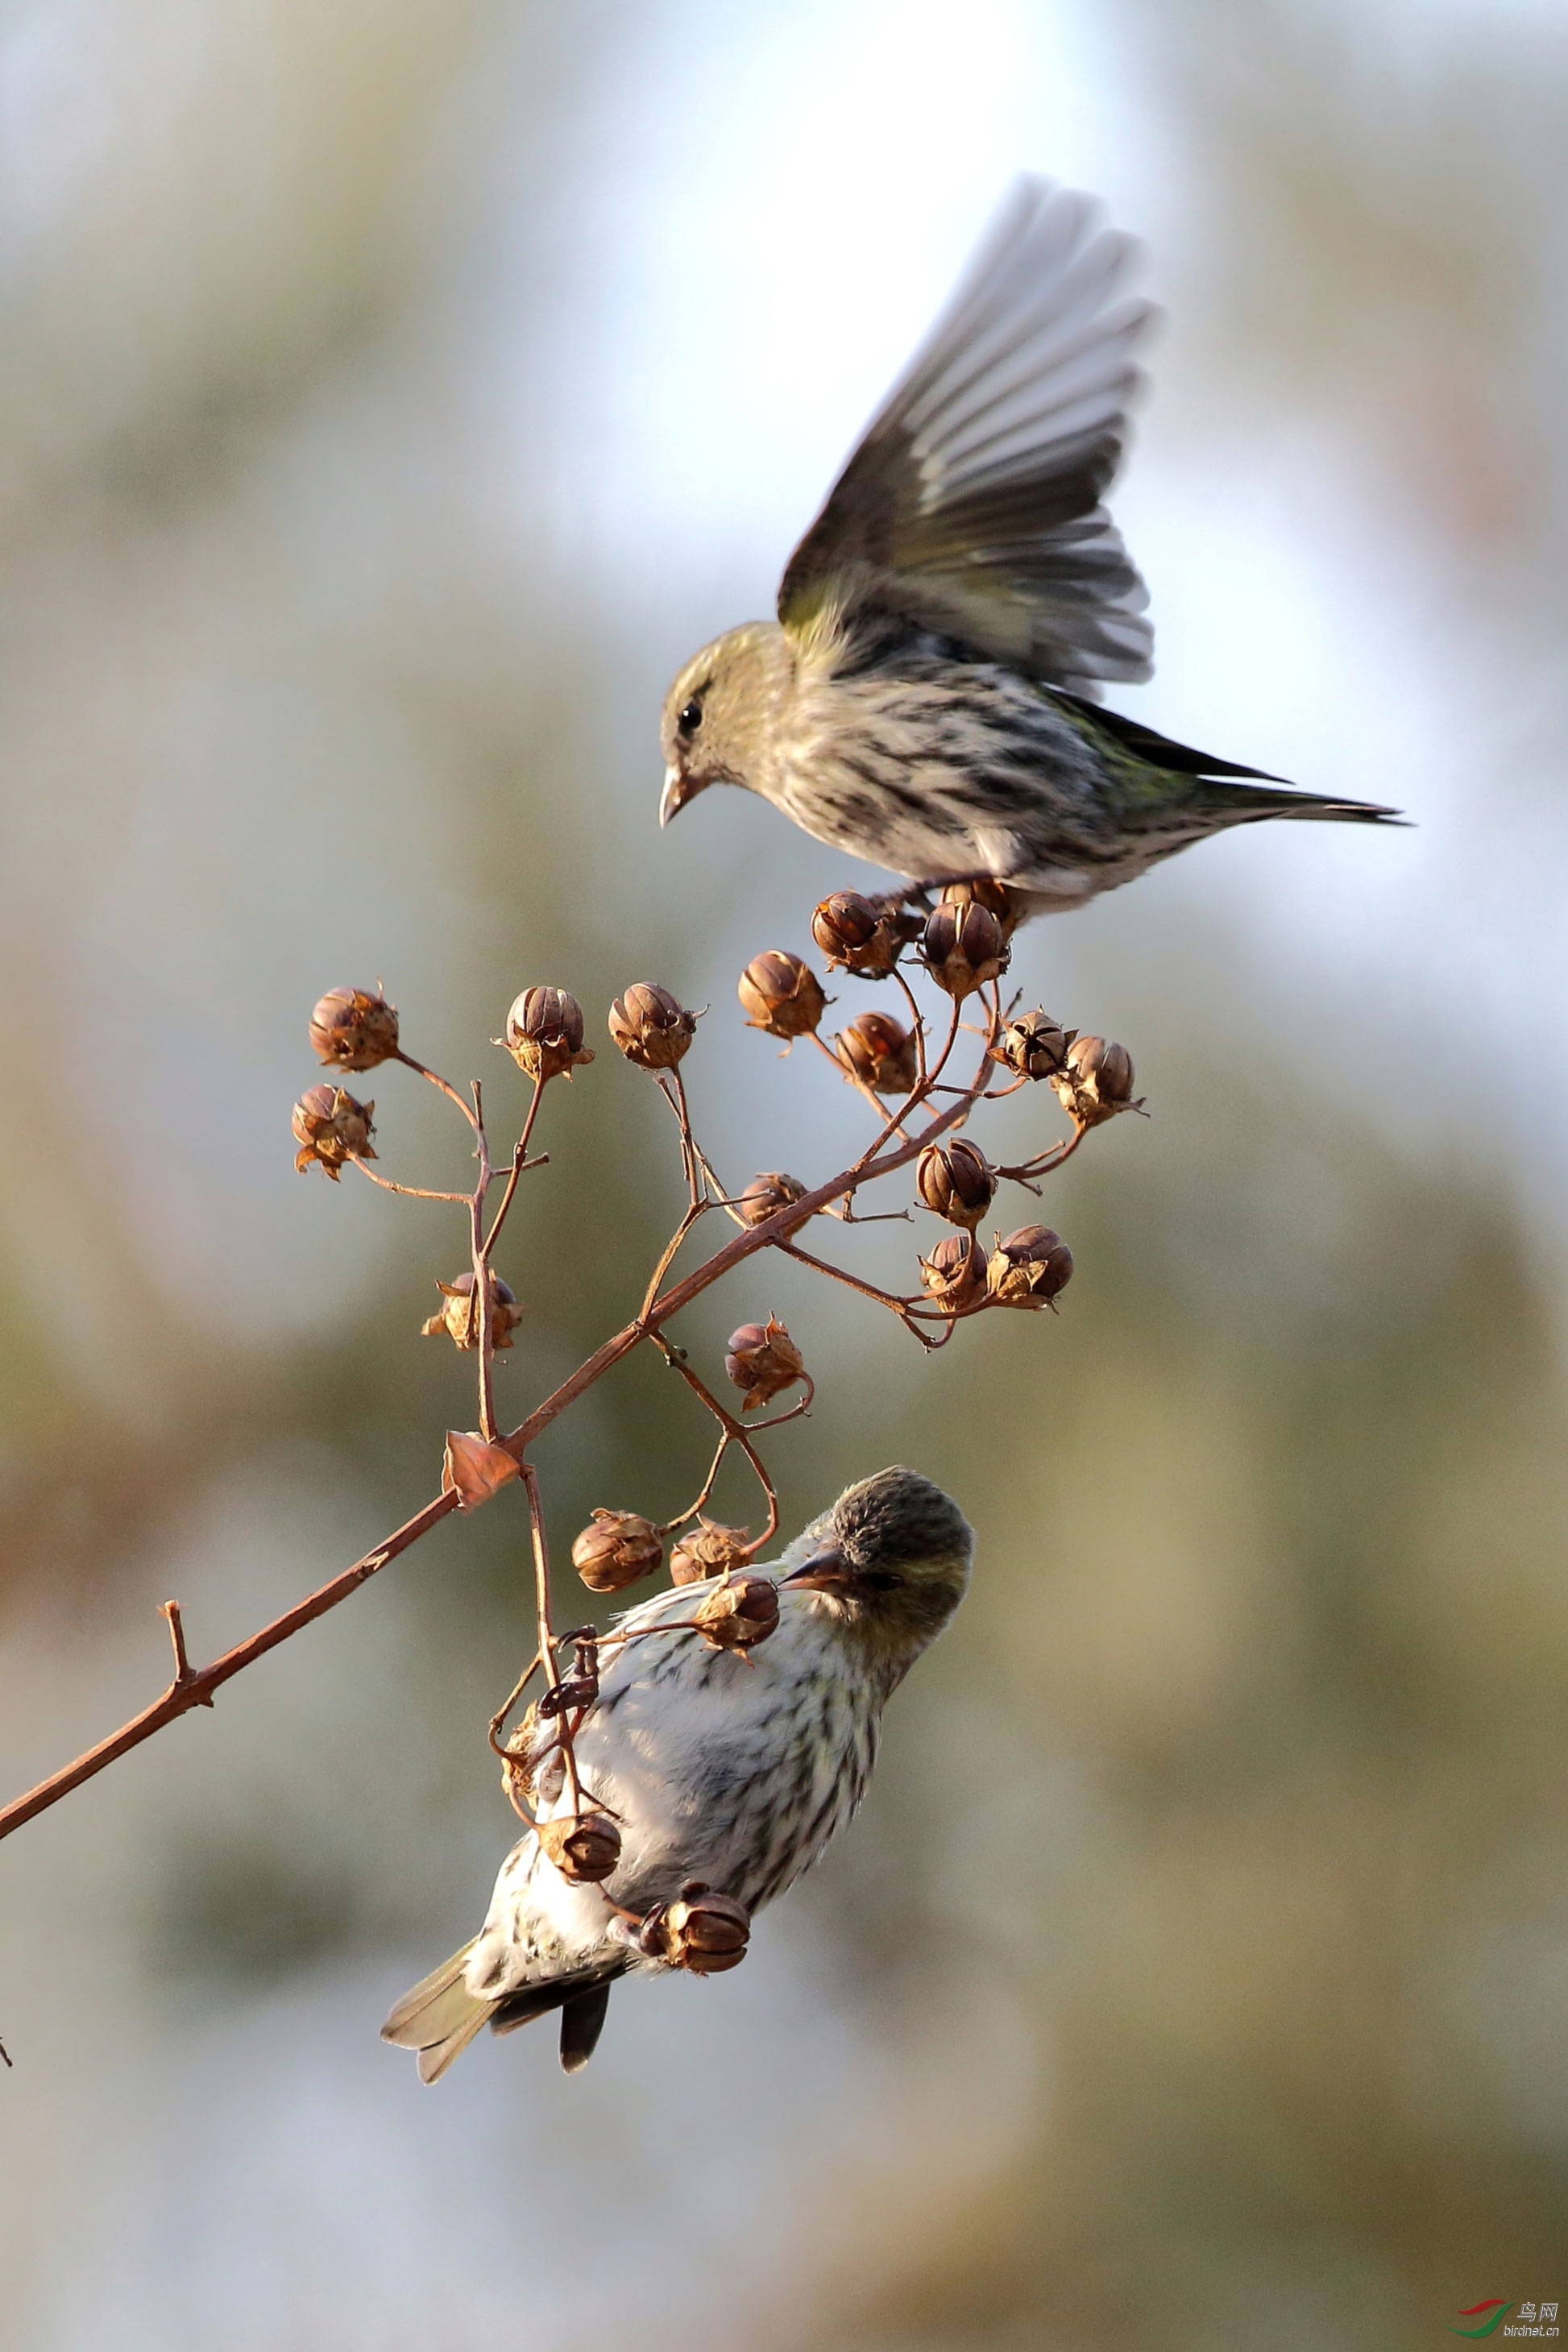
(971, 506)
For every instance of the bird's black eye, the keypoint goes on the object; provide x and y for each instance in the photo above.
(690, 718)
(879, 1580)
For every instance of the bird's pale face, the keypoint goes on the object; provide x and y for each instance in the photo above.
(892, 1560)
(719, 714)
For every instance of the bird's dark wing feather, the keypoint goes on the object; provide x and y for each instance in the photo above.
(1158, 750)
(971, 506)
(578, 1986)
(581, 2022)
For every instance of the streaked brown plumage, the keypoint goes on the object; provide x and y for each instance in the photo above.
(923, 699)
(736, 1772)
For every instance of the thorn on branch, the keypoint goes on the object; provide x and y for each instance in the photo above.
(184, 1674)
(171, 1610)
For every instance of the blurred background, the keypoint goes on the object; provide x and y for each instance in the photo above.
(391, 397)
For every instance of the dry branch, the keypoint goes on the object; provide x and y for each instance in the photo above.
(356, 1029)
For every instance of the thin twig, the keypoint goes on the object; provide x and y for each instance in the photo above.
(1046, 1163)
(867, 1289)
(176, 1702)
(502, 1713)
(484, 1301)
(171, 1610)
(409, 1192)
(689, 1151)
(681, 1516)
(510, 1755)
(670, 1250)
(858, 1083)
(916, 1030)
(738, 1435)
(917, 1094)
(179, 1698)
(546, 1636)
(437, 1080)
(519, 1161)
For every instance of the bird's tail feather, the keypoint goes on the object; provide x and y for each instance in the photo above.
(439, 2017)
(1246, 803)
(583, 1997)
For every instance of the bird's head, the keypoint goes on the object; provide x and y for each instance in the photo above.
(890, 1560)
(719, 714)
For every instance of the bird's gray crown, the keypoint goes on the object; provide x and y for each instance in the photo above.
(899, 1516)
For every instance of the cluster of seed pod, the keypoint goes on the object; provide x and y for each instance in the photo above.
(459, 1313)
(962, 946)
(1092, 1077)
(652, 1027)
(766, 1194)
(544, 1034)
(1029, 1267)
(585, 1846)
(331, 1129)
(1026, 1268)
(701, 1931)
(354, 1029)
(763, 1360)
(617, 1549)
(709, 1549)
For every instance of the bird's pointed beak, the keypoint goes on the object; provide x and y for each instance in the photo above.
(826, 1572)
(679, 788)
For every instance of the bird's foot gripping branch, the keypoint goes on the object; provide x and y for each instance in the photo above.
(922, 1120)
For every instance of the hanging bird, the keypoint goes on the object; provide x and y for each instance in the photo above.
(733, 1771)
(924, 698)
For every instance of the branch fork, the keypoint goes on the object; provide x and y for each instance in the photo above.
(354, 1029)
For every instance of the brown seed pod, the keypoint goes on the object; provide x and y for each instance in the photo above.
(763, 1360)
(701, 1931)
(1034, 1046)
(998, 900)
(651, 1027)
(963, 947)
(880, 1052)
(1097, 1082)
(330, 1126)
(740, 1613)
(617, 1549)
(544, 1034)
(953, 1275)
(956, 1181)
(766, 1194)
(708, 1549)
(780, 994)
(857, 934)
(585, 1847)
(1029, 1267)
(353, 1028)
(458, 1315)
